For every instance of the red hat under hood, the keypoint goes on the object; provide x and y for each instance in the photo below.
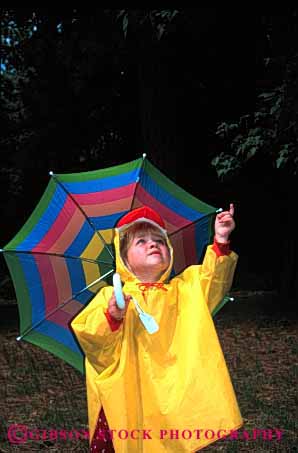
(142, 214)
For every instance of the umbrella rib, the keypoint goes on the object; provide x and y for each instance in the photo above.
(221, 304)
(29, 252)
(192, 223)
(84, 214)
(63, 304)
(137, 181)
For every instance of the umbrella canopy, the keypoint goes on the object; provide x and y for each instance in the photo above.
(64, 254)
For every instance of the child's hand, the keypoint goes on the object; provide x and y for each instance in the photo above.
(224, 224)
(114, 310)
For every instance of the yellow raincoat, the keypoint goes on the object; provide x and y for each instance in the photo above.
(169, 391)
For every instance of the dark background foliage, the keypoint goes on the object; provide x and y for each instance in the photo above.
(210, 94)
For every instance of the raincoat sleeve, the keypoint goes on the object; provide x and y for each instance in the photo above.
(215, 276)
(99, 343)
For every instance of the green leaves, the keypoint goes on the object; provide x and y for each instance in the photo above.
(270, 130)
(285, 155)
(226, 165)
(136, 18)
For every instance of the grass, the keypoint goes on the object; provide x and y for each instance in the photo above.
(42, 392)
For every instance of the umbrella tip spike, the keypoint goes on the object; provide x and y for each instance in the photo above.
(219, 210)
(18, 338)
(1, 250)
(51, 173)
(144, 155)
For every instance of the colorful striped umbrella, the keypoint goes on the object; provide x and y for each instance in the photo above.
(64, 254)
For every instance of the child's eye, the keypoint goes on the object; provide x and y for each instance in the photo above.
(160, 241)
(140, 241)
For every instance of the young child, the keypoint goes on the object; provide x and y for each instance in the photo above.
(169, 391)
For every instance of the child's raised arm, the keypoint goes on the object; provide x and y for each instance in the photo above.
(224, 224)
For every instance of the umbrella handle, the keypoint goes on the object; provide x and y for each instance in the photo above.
(118, 290)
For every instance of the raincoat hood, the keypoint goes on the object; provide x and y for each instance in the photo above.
(126, 275)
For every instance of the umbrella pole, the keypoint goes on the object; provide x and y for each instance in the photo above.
(63, 304)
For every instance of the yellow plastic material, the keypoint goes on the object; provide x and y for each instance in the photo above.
(168, 385)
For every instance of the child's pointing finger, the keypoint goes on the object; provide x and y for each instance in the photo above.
(232, 209)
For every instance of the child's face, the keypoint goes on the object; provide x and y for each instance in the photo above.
(148, 253)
